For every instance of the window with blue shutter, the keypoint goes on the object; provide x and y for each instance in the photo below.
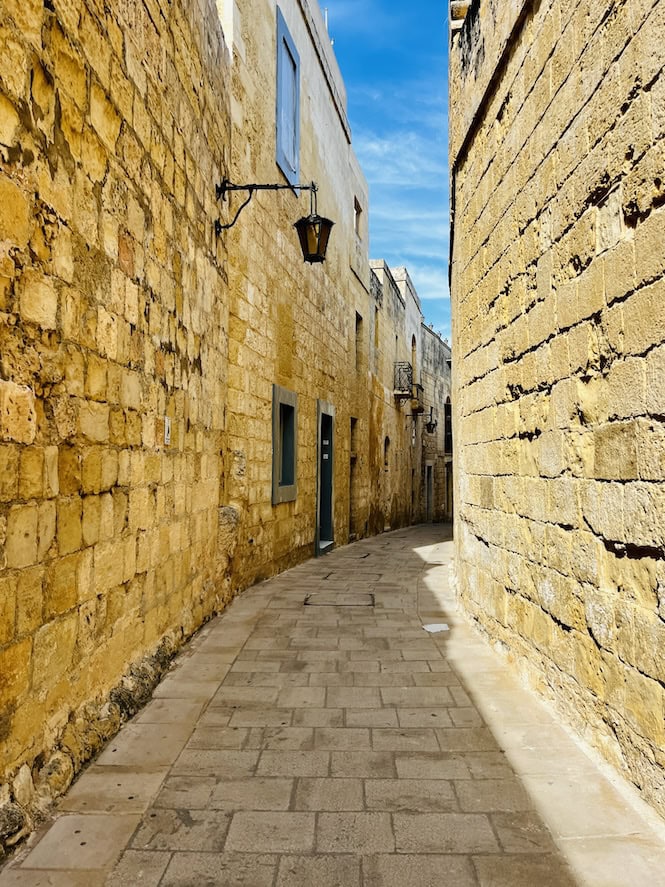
(288, 103)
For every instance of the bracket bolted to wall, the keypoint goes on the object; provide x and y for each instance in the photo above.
(313, 230)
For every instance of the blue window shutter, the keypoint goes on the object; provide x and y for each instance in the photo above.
(288, 103)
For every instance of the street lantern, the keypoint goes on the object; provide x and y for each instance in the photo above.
(313, 230)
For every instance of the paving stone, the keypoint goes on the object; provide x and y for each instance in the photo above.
(294, 763)
(362, 764)
(431, 766)
(371, 717)
(203, 869)
(636, 859)
(410, 795)
(424, 717)
(218, 737)
(329, 793)
(138, 868)
(322, 871)
(466, 739)
(302, 697)
(343, 738)
(404, 740)
(597, 811)
(76, 841)
(331, 679)
(254, 667)
(465, 717)
(113, 790)
(145, 745)
(262, 717)
(353, 697)
(254, 832)
(190, 690)
(290, 738)
(485, 795)
(488, 765)
(416, 697)
(267, 679)
(215, 717)
(255, 793)
(522, 833)
(181, 829)
(246, 697)
(318, 717)
(383, 680)
(523, 871)
(403, 870)
(354, 833)
(170, 711)
(443, 833)
(216, 762)
(405, 667)
(186, 792)
(436, 679)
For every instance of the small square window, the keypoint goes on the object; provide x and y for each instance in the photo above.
(288, 103)
(284, 444)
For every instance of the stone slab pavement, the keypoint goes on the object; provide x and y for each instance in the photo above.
(317, 734)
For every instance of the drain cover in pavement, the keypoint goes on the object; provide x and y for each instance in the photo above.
(339, 600)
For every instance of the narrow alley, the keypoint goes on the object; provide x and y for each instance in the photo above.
(317, 733)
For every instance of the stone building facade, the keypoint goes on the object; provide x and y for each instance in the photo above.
(557, 148)
(183, 411)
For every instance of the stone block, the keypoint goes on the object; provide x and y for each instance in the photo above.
(15, 222)
(29, 600)
(8, 586)
(31, 484)
(9, 472)
(104, 116)
(644, 318)
(69, 531)
(615, 451)
(15, 671)
(9, 122)
(39, 300)
(18, 417)
(21, 542)
(46, 529)
(94, 421)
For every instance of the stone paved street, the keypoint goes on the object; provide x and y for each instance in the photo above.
(317, 734)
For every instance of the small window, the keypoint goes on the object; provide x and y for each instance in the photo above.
(376, 327)
(447, 427)
(359, 341)
(386, 453)
(357, 217)
(288, 103)
(284, 444)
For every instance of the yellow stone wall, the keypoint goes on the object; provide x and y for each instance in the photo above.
(557, 155)
(112, 318)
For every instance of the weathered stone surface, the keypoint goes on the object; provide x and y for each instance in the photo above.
(558, 257)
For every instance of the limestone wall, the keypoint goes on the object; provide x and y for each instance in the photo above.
(559, 332)
(112, 321)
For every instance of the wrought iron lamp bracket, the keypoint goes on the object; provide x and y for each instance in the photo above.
(226, 186)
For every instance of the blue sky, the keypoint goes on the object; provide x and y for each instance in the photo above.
(393, 57)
